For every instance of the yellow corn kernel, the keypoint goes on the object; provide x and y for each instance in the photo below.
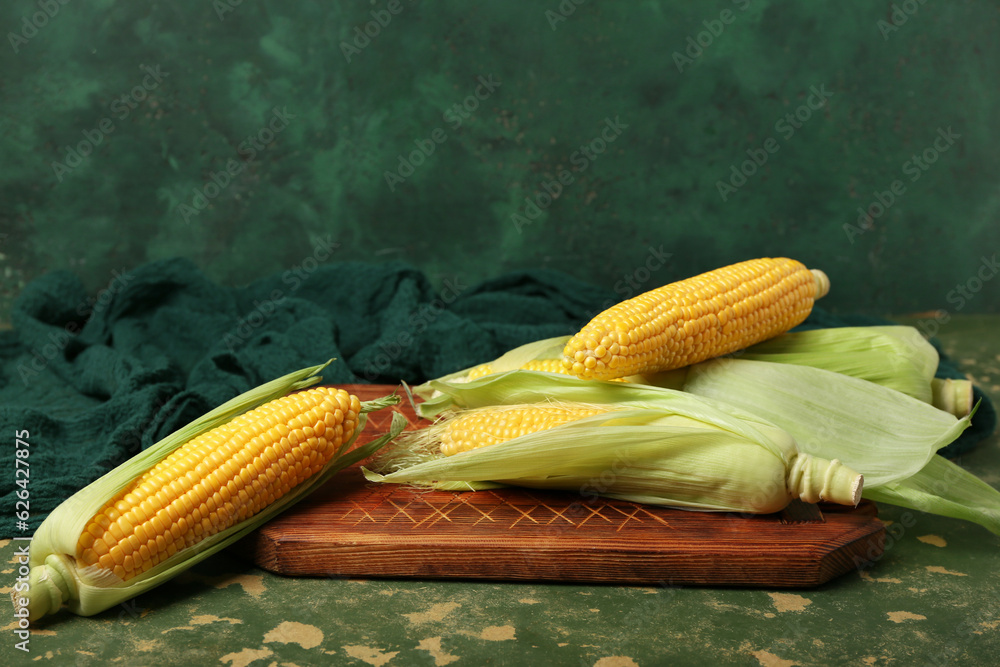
(544, 365)
(692, 320)
(552, 365)
(480, 371)
(496, 424)
(136, 529)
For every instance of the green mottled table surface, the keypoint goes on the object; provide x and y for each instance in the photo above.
(931, 599)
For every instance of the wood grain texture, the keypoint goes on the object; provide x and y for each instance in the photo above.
(351, 528)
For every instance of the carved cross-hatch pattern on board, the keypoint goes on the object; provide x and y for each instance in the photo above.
(397, 507)
(491, 511)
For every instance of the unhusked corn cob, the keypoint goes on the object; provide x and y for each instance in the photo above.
(636, 443)
(692, 320)
(479, 428)
(218, 479)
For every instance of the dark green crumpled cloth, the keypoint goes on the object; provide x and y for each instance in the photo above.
(95, 379)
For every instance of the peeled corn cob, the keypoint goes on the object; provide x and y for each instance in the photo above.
(706, 316)
(194, 492)
(238, 469)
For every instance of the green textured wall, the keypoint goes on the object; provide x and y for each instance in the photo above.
(119, 122)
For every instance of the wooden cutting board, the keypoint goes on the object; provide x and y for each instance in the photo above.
(352, 528)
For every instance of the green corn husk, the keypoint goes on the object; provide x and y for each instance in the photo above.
(655, 446)
(897, 357)
(54, 578)
(941, 487)
(883, 433)
(512, 360)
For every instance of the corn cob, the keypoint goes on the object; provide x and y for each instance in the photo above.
(193, 493)
(880, 432)
(479, 428)
(686, 322)
(548, 365)
(688, 455)
(218, 479)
